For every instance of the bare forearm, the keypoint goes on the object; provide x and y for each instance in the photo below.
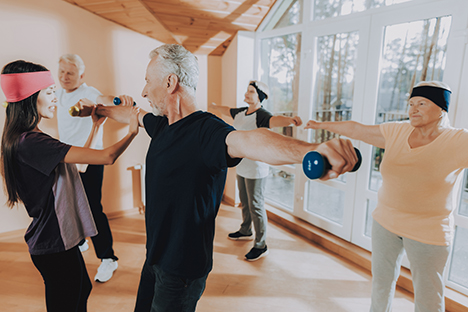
(280, 121)
(107, 156)
(346, 128)
(92, 137)
(267, 146)
(118, 148)
(370, 134)
(120, 113)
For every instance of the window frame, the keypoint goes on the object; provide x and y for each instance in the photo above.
(366, 90)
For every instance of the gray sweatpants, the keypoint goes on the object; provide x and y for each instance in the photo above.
(253, 208)
(427, 264)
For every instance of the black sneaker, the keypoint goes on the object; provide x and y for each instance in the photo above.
(239, 236)
(256, 253)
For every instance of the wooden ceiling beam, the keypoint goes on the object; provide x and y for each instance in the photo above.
(202, 26)
(223, 4)
(162, 10)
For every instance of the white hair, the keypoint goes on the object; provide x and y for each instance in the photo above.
(434, 83)
(262, 87)
(444, 120)
(177, 60)
(75, 60)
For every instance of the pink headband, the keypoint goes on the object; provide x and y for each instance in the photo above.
(17, 87)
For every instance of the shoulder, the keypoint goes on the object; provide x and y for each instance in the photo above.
(456, 132)
(152, 123)
(388, 127)
(237, 110)
(88, 90)
(35, 136)
(263, 111)
(210, 124)
(37, 141)
(213, 118)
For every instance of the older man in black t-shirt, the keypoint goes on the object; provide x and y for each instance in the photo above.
(186, 166)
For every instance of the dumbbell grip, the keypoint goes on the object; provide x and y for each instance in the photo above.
(117, 101)
(315, 165)
(84, 111)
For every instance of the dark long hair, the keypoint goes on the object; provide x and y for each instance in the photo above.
(21, 117)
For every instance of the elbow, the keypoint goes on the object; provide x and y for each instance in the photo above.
(110, 159)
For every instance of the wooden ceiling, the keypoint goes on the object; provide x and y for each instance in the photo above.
(201, 26)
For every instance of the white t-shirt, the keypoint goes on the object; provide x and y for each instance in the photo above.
(248, 168)
(75, 130)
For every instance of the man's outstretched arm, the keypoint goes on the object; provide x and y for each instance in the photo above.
(120, 113)
(276, 149)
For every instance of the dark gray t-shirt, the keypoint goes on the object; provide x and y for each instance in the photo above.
(53, 195)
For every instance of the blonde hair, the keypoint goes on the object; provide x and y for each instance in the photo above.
(75, 60)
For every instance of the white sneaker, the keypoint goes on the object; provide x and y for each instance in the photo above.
(105, 270)
(84, 246)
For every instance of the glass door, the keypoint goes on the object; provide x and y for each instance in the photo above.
(337, 71)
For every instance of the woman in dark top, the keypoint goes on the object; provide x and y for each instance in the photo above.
(39, 172)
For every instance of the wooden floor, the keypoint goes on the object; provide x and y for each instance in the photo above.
(295, 277)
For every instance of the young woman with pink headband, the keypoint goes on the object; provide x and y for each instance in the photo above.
(39, 172)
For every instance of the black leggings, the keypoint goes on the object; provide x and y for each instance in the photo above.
(67, 284)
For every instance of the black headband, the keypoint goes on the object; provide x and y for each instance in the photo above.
(261, 94)
(440, 96)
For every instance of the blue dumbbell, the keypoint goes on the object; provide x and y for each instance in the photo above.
(117, 101)
(316, 166)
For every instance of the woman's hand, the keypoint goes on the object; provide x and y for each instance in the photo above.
(134, 122)
(296, 120)
(97, 119)
(312, 124)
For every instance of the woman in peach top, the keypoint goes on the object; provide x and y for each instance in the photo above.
(420, 170)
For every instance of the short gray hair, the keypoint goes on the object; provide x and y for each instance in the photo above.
(179, 61)
(75, 60)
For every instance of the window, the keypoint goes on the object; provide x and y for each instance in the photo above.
(358, 60)
(280, 71)
(288, 13)
(412, 52)
(331, 8)
(332, 101)
(459, 268)
(334, 81)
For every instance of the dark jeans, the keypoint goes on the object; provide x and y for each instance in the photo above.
(67, 284)
(160, 291)
(92, 182)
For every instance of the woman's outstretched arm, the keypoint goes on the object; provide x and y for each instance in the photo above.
(107, 156)
(352, 129)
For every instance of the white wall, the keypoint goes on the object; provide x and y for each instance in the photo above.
(116, 60)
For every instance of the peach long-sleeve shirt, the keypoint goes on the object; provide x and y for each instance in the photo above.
(420, 186)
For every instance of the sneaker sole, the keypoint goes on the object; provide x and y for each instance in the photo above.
(244, 238)
(261, 256)
(106, 278)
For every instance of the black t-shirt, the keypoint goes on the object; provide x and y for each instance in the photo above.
(258, 119)
(186, 169)
(53, 195)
